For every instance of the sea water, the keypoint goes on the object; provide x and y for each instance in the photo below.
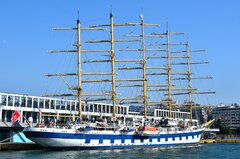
(203, 151)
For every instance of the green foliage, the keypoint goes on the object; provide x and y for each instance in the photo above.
(223, 128)
(236, 131)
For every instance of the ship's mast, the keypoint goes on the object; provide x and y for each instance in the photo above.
(190, 101)
(168, 68)
(113, 80)
(143, 99)
(169, 99)
(79, 73)
(190, 90)
(79, 45)
(144, 68)
(113, 68)
(189, 79)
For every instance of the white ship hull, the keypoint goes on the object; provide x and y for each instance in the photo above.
(67, 139)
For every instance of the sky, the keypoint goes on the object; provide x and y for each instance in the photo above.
(26, 35)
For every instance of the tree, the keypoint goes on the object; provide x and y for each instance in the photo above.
(223, 128)
(236, 131)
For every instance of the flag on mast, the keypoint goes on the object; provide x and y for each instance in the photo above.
(15, 116)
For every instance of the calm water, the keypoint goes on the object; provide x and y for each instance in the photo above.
(209, 151)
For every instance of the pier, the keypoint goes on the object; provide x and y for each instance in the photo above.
(211, 141)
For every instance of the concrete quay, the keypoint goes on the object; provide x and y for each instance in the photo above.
(210, 141)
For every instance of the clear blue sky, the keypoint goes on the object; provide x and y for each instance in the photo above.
(26, 35)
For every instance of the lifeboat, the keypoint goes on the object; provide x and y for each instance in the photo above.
(147, 131)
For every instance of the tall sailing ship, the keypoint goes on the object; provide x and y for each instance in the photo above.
(102, 133)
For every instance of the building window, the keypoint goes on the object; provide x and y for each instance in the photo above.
(3, 100)
(46, 104)
(125, 111)
(77, 107)
(107, 109)
(95, 107)
(23, 101)
(17, 101)
(63, 105)
(35, 103)
(91, 107)
(57, 104)
(10, 100)
(35, 117)
(68, 105)
(72, 106)
(52, 104)
(99, 108)
(29, 102)
(41, 103)
(86, 107)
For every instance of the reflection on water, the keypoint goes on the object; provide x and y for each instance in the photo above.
(212, 151)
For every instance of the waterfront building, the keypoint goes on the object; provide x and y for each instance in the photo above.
(203, 114)
(176, 114)
(161, 111)
(46, 110)
(228, 114)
